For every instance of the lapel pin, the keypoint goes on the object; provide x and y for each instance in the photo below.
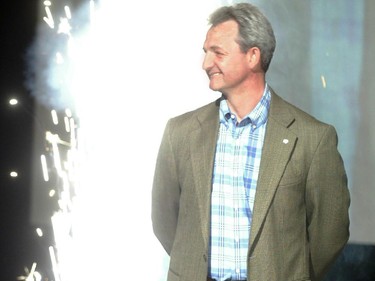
(285, 141)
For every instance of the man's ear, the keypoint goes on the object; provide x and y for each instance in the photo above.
(253, 57)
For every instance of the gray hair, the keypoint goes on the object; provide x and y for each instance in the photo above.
(254, 29)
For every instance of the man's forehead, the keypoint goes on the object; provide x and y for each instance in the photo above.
(219, 33)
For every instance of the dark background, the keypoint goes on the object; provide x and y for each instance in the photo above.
(19, 244)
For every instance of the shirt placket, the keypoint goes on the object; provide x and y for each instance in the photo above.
(237, 205)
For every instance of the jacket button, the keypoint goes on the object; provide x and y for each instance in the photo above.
(205, 257)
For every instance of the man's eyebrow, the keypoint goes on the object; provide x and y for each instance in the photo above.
(212, 48)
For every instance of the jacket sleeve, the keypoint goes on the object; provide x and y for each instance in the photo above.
(327, 200)
(165, 193)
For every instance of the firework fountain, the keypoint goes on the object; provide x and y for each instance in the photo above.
(112, 80)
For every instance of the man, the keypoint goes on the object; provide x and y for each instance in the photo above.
(248, 187)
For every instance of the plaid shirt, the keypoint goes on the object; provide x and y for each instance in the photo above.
(236, 169)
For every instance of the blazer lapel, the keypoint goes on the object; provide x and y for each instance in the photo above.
(203, 140)
(278, 144)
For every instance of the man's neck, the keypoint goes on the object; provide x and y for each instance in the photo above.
(243, 102)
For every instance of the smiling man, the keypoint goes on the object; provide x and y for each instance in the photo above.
(248, 187)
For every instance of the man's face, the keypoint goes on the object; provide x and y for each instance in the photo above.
(226, 65)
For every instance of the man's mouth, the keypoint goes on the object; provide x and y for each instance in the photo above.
(213, 74)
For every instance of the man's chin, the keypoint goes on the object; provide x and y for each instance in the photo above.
(214, 87)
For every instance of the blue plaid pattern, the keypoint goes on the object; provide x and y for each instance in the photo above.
(236, 168)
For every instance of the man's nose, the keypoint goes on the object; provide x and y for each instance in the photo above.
(207, 61)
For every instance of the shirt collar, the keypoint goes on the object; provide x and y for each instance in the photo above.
(257, 117)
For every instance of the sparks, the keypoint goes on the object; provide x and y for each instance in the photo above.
(43, 160)
(55, 118)
(68, 12)
(39, 231)
(64, 26)
(49, 18)
(31, 275)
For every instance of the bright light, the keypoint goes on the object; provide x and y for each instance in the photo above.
(55, 118)
(129, 74)
(13, 101)
(59, 58)
(49, 18)
(64, 26)
(13, 174)
(37, 276)
(67, 124)
(68, 12)
(39, 232)
(68, 113)
(44, 167)
(54, 264)
(32, 275)
(52, 193)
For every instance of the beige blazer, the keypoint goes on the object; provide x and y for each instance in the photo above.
(300, 217)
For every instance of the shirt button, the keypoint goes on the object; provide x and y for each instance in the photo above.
(232, 116)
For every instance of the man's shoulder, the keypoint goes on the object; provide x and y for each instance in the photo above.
(202, 113)
(296, 119)
(298, 113)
